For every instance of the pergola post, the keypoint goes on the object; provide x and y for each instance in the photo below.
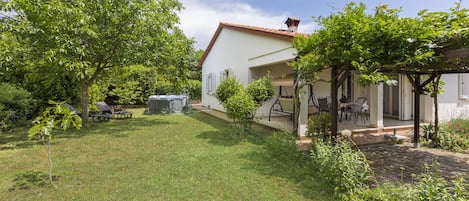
(303, 110)
(376, 106)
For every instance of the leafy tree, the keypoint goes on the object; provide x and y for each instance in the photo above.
(241, 108)
(86, 37)
(372, 45)
(57, 116)
(241, 103)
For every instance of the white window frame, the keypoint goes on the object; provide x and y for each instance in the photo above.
(225, 74)
(463, 83)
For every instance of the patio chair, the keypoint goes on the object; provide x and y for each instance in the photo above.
(323, 105)
(358, 109)
(117, 113)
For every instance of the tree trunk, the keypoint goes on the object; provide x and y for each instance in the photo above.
(84, 102)
(296, 106)
(436, 86)
(49, 156)
(334, 90)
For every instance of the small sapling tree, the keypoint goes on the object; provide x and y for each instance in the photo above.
(57, 116)
(241, 103)
(261, 89)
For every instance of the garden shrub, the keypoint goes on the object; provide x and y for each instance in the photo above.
(459, 126)
(227, 88)
(261, 89)
(342, 168)
(387, 192)
(319, 126)
(241, 108)
(281, 146)
(195, 89)
(448, 139)
(15, 104)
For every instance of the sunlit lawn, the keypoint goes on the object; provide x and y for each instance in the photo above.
(157, 157)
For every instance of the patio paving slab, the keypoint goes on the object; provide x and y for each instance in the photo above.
(399, 162)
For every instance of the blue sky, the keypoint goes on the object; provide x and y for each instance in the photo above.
(200, 18)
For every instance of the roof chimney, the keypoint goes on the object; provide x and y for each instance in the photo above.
(292, 24)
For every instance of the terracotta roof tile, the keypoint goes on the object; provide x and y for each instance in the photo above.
(274, 33)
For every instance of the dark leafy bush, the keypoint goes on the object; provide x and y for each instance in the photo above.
(341, 167)
(319, 125)
(15, 104)
(428, 131)
(447, 139)
(195, 89)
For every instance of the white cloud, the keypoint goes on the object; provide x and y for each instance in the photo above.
(200, 18)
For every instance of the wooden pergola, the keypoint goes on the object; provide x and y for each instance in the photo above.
(453, 61)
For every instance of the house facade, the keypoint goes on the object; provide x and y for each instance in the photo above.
(248, 53)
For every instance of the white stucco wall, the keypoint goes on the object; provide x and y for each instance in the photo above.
(449, 104)
(232, 50)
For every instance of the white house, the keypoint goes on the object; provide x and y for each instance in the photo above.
(249, 52)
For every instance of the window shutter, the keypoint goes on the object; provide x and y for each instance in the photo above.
(208, 83)
(213, 83)
(463, 86)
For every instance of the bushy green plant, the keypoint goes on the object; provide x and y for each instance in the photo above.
(387, 192)
(195, 89)
(446, 139)
(341, 167)
(241, 108)
(319, 125)
(227, 88)
(459, 126)
(15, 103)
(261, 89)
(281, 146)
(428, 131)
(433, 187)
(129, 93)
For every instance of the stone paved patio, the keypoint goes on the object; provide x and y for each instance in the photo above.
(397, 163)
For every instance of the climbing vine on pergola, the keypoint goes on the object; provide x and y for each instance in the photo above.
(373, 45)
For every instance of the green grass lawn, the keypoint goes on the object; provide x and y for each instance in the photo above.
(157, 157)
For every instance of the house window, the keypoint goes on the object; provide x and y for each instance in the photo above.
(464, 86)
(211, 83)
(225, 74)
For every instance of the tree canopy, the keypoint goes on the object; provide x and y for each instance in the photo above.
(372, 45)
(85, 37)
